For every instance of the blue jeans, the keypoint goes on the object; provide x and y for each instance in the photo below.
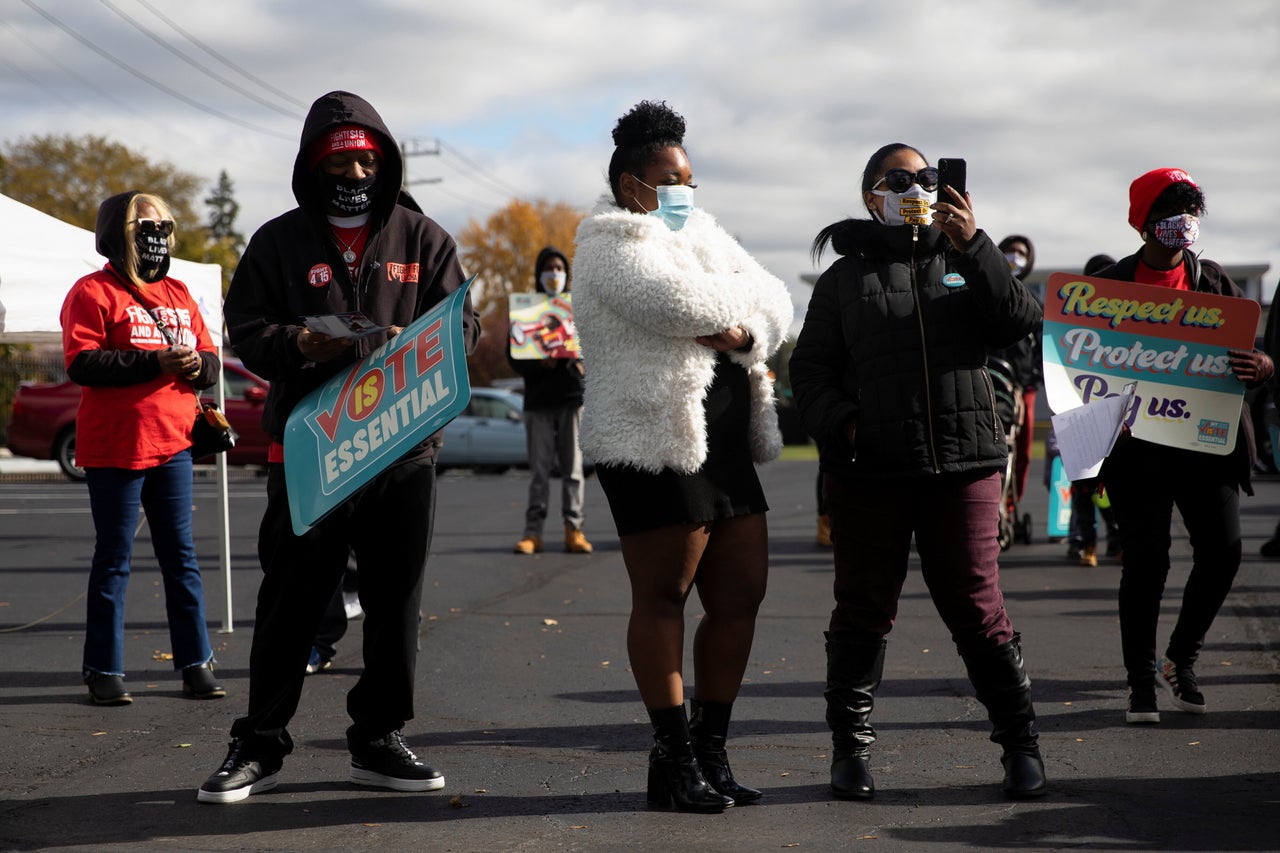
(115, 497)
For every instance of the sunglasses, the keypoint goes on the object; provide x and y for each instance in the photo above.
(163, 227)
(900, 180)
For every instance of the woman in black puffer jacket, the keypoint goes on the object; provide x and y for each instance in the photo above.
(889, 374)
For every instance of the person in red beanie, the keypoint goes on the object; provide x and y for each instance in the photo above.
(1146, 481)
(335, 252)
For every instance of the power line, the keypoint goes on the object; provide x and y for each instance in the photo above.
(218, 56)
(208, 71)
(495, 183)
(149, 81)
(72, 72)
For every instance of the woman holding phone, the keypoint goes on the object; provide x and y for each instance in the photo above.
(889, 374)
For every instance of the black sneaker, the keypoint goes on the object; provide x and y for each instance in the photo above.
(389, 763)
(1180, 682)
(1142, 706)
(239, 776)
(107, 689)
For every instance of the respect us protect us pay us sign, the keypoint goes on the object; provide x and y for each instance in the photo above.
(1101, 334)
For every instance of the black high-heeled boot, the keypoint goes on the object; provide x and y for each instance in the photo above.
(709, 727)
(1002, 684)
(674, 775)
(855, 664)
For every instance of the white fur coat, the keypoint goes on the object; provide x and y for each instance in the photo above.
(641, 294)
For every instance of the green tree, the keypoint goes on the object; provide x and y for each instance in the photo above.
(226, 244)
(68, 177)
(501, 253)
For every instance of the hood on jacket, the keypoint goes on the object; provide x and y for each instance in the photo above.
(1007, 242)
(109, 232)
(543, 256)
(328, 112)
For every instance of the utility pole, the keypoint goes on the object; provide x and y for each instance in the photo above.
(418, 148)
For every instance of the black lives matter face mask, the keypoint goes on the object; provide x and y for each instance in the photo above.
(153, 249)
(348, 197)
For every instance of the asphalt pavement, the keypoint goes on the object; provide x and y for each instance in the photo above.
(526, 704)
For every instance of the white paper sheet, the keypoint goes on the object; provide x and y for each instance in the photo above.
(1087, 433)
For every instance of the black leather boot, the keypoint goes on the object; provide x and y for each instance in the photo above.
(1002, 684)
(709, 727)
(855, 663)
(674, 775)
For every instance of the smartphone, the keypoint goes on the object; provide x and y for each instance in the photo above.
(951, 173)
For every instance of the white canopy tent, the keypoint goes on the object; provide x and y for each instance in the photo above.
(41, 257)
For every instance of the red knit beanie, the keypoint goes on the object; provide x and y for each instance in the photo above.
(1144, 191)
(344, 137)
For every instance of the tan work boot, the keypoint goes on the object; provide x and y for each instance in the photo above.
(529, 545)
(823, 539)
(575, 542)
(1089, 556)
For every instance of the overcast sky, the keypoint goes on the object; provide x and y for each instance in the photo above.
(1056, 104)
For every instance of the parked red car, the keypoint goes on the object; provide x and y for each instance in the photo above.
(44, 419)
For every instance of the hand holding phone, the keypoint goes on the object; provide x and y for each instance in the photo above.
(952, 172)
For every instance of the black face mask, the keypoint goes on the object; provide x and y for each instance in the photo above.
(153, 251)
(348, 197)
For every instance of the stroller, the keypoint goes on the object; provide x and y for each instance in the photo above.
(1009, 407)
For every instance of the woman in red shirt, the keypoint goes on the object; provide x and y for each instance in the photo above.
(133, 338)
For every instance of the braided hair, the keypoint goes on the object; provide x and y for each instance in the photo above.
(639, 135)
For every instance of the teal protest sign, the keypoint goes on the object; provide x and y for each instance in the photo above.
(356, 425)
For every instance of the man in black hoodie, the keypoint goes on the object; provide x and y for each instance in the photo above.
(356, 242)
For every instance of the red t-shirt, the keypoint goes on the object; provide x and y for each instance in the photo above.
(131, 426)
(1175, 278)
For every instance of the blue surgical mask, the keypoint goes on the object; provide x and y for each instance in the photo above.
(675, 204)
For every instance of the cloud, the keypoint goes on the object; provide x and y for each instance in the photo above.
(1056, 104)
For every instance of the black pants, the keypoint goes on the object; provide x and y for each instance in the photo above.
(388, 526)
(1145, 482)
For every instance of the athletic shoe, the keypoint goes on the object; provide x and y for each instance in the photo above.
(1180, 682)
(1142, 706)
(1089, 556)
(389, 763)
(240, 775)
(317, 662)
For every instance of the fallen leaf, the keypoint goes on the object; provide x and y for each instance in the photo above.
(866, 838)
(97, 734)
(767, 672)
(482, 790)
(578, 826)
(432, 618)
(372, 824)
(604, 663)
(1194, 743)
(162, 655)
(550, 622)
(456, 802)
(1066, 703)
(792, 844)
(455, 609)
(183, 745)
(924, 651)
(1079, 740)
(785, 773)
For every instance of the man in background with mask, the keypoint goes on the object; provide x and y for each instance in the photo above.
(356, 242)
(552, 417)
(1145, 481)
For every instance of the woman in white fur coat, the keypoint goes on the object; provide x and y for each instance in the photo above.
(675, 322)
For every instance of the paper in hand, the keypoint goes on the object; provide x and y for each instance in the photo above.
(351, 324)
(1087, 433)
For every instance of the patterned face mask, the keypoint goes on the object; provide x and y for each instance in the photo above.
(1176, 232)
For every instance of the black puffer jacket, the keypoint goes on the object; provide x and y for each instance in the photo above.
(897, 334)
(292, 267)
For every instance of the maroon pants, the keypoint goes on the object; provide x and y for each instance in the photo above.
(954, 519)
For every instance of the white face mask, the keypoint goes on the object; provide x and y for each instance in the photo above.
(906, 208)
(1017, 262)
(553, 280)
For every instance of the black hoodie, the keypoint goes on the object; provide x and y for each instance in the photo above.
(292, 267)
(549, 383)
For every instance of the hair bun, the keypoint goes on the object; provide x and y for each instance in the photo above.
(649, 122)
